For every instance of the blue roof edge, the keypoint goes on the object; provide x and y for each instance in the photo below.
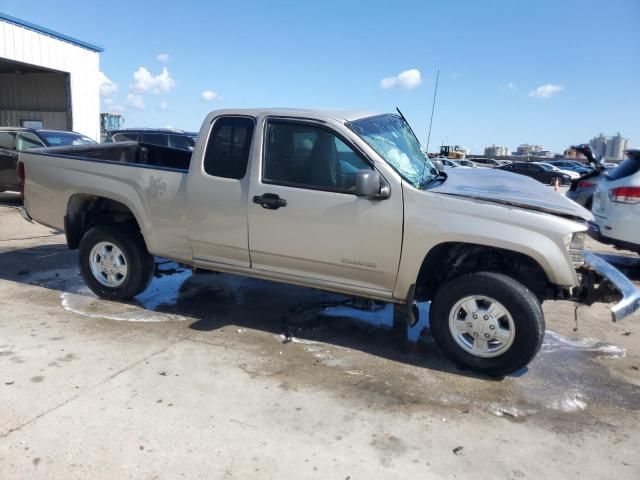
(51, 33)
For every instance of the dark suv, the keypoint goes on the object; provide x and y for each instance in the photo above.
(16, 139)
(165, 137)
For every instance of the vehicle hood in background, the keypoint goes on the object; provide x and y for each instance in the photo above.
(507, 188)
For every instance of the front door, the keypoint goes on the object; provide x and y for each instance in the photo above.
(306, 222)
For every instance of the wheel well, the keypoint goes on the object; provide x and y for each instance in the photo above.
(87, 211)
(453, 259)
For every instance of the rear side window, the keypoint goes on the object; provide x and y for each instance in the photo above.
(227, 152)
(155, 139)
(625, 169)
(181, 141)
(26, 141)
(125, 137)
(7, 140)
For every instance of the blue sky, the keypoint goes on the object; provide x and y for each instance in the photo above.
(548, 72)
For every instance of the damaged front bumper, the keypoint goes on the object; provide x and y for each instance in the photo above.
(612, 284)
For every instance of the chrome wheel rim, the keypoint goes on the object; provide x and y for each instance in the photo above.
(482, 326)
(108, 264)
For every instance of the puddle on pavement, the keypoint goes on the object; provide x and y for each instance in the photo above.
(567, 375)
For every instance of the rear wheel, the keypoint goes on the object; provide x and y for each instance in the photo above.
(115, 263)
(487, 322)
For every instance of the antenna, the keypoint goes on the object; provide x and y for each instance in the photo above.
(433, 107)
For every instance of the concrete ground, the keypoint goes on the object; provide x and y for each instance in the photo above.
(194, 379)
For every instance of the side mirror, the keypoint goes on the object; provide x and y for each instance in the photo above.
(368, 183)
(438, 164)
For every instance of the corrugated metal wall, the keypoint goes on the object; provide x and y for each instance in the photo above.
(33, 48)
(50, 120)
(34, 96)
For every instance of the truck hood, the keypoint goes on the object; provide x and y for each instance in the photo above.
(507, 188)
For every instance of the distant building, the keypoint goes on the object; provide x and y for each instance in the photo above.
(611, 148)
(526, 150)
(109, 121)
(496, 151)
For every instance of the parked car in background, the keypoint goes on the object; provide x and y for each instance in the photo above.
(582, 189)
(570, 165)
(487, 162)
(165, 137)
(447, 162)
(537, 172)
(468, 163)
(556, 169)
(616, 205)
(17, 139)
(505, 162)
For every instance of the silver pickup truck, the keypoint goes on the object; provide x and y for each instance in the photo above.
(341, 201)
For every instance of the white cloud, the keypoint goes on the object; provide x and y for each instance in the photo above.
(117, 109)
(135, 101)
(408, 79)
(209, 96)
(162, 57)
(107, 101)
(164, 105)
(107, 87)
(511, 86)
(546, 91)
(146, 82)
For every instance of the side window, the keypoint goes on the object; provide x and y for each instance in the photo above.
(125, 137)
(228, 147)
(155, 139)
(303, 155)
(27, 141)
(7, 140)
(182, 142)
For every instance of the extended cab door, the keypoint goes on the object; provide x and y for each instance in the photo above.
(217, 192)
(305, 221)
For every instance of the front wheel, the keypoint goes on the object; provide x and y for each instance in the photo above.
(115, 263)
(487, 322)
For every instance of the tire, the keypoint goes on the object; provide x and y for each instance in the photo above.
(135, 265)
(521, 328)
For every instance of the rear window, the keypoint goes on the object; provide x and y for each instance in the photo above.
(59, 139)
(627, 168)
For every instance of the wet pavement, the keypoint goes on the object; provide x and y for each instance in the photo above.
(217, 375)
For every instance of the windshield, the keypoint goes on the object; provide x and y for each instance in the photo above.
(392, 138)
(57, 139)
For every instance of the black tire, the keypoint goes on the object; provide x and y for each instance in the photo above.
(520, 302)
(140, 264)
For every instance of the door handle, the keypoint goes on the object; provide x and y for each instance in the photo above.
(270, 201)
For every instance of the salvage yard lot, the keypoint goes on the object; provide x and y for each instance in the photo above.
(198, 379)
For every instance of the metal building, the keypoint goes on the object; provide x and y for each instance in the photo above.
(47, 79)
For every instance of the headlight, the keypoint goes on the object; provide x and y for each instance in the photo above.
(575, 244)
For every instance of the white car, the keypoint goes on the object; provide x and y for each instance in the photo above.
(548, 166)
(616, 205)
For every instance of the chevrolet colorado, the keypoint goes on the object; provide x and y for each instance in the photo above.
(340, 201)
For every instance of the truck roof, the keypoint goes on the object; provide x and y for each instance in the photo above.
(319, 113)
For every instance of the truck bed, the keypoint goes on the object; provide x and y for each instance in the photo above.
(136, 153)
